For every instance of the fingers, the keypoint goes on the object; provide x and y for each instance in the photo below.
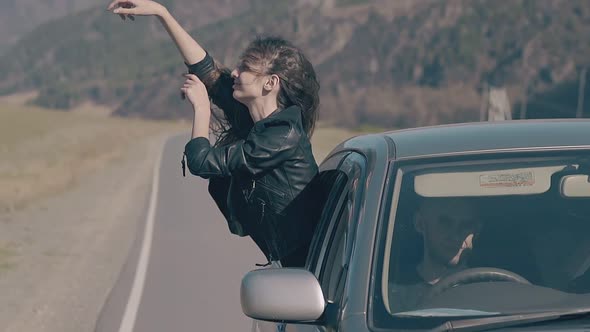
(191, 83)
(468, 243)
(125, 11)
(192, 77)
(131, 17)
(120, 3)
(113, 4)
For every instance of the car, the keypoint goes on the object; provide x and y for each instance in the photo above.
(455, 227)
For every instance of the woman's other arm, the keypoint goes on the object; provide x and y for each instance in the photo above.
(218, 81)
(259, 152)
(196, 93)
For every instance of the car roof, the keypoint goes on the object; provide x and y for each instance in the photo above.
(476, 137)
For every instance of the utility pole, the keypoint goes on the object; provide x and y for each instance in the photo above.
(581, 92)
(528, 51)
(524, 99)
(499, 105)
(483, 109)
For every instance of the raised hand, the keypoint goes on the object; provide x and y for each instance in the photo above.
(130, 8)
(196, 93)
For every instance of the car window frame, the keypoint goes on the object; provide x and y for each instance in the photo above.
(332, 205)
(349, 201)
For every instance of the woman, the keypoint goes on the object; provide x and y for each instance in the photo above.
(262, 160)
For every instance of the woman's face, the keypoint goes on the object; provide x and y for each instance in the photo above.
(248, 85)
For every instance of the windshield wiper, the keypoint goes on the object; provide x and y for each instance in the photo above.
(487, 323)
(445, 312)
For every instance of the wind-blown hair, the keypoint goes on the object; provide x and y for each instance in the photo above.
(298, 82)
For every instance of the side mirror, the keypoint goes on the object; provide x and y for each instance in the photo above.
(575, 186)
(283, 294)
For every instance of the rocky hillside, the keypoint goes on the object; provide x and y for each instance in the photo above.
(382, 63)
(18, 18)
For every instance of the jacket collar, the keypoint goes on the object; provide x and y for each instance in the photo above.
(291, 114)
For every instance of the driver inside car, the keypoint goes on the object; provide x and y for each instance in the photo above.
(447, 227)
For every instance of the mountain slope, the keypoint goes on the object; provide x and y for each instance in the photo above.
(385, 63)
(18, 18)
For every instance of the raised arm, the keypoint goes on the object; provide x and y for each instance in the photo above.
(190, 50)
(216, 77)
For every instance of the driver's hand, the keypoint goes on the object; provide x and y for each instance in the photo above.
(464, 251)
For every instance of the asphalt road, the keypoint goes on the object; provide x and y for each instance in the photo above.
(185, 267)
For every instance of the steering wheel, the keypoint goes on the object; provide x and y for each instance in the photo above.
(473, 275)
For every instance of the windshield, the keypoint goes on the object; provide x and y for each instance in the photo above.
(485, 237)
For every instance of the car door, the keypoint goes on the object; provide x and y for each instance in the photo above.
(330, 250)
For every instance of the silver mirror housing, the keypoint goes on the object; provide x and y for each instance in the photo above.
(282, 294)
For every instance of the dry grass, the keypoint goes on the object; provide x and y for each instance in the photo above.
(7, 260)
(44, 152)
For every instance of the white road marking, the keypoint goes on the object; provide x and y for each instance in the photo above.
(128, 321)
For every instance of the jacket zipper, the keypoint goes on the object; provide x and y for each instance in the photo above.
(268, 246)
(270, 257)
(271, 189)
(247, 193)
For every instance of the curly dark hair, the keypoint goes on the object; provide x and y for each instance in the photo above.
(298, 83)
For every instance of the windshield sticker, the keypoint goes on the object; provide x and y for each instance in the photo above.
(511, 179)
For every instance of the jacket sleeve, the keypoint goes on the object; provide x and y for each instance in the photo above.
(266, 147)
(218, 81)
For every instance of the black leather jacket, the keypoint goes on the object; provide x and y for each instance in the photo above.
(258, 183)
